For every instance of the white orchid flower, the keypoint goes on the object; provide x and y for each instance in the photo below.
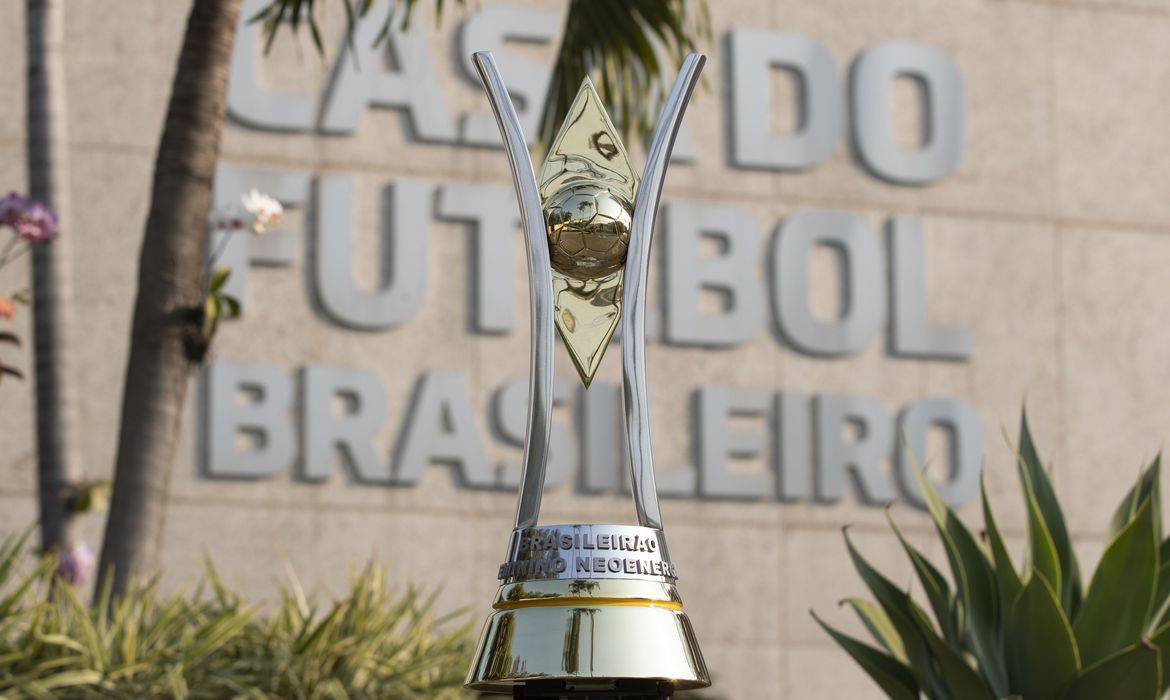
(264, 210)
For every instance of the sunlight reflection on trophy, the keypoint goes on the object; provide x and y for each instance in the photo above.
(588, 610)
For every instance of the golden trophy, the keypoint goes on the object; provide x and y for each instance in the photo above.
(588, 611)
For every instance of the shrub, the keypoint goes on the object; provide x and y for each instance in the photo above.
(1035, 632)
(370, 643)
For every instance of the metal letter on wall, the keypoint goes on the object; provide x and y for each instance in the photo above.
(873, 79)
(604, 455)
(732, 274)
(684, 147)
(794, 448)
(861, 457)
(965, 453)
(491, 209)
(441, 428)
(862, 278)
(361, 78)
(911, 334)
(511, 407)
(263, 419)
(250, 103)
(718, 442)
(678, 481)
(754, 54)
(405, 223)
(492, 29)
(326, 430)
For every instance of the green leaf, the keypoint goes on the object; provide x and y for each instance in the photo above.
(1045, 558)
(1134, 673)
(210, 315)
(1161, 639)
(879, 625)
(1161, 604)
(899, 609)
(1119, 597)
(1006, 578)
(219, 278)
(1040, 649)
(890, 674)
(963, 682)
(1036, 479)
(1148, 486)
(1161, 607)
(10, 549)
(232, 305)
(63, 641)
(975, 580)
(938, 591)
(69, 679)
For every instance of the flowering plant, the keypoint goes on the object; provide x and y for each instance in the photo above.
(256, 213)
(31, 223)
(29, 220)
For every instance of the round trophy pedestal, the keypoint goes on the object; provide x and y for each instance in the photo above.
(588, 611)
(618, 690)
(595, 644)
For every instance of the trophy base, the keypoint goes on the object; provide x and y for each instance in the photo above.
(615, 638)
(615, 690)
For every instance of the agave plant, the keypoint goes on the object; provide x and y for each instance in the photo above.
(1032, 632)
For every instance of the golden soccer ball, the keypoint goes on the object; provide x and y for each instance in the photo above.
(588, 230)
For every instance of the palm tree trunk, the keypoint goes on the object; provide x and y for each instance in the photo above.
(59, 461)
(170, 284)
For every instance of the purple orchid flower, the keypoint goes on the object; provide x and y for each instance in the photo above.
(75, 565)
(32, 220)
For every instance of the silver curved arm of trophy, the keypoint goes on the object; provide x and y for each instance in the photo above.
(540, 292)
(633, 320)
(637, 402)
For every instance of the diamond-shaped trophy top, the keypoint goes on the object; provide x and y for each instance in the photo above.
(587, 187)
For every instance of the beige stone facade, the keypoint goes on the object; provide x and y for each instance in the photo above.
(1050, 242)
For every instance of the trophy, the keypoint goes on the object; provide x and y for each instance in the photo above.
(588, 610)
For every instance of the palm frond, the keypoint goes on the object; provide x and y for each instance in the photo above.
(294, 13)
(631, 47)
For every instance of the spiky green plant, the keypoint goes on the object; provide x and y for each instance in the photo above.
(998, 631)
(370, 643)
